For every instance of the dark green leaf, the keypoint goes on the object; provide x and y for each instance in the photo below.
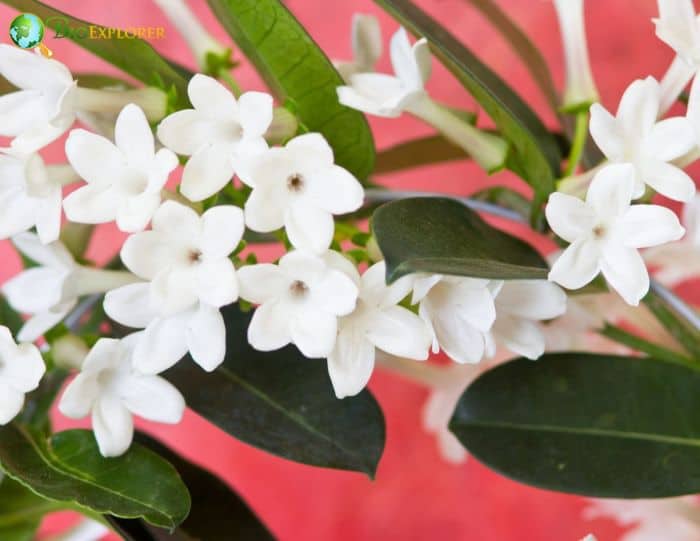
(9, 318)
(536, 156)
(38, 403)
(442, 236)
(296, 69)
(506, 198)
(598, 425)
(68, 467)
(684, 331)
(133, 56)
(283, 403)
(21, 511)
(417, 152)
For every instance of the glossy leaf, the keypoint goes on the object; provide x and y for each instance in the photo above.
(442, 236)
(598, 425)
(416, 153)
(21, 511)
(283, 403)
(300, 74)
(68, 467)
(536, 156)
(133, 56)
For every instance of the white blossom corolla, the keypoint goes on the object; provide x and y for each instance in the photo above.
(520, 304)
(634, 136)
(21, 369)
(42, 109)
(215, 134)
(376, 323)
(124, 180)
(605, 232)
(185, 261)
(389, 95)
(459, 312)
(366, 37)
(111, 389)
(29, 197)
(300, 300)
(300, 188)
(51, 290)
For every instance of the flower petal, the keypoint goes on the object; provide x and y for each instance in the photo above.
(461, 342)
(211, 97)
(314, 332)
(11, 403)
(91, 204)
(311, 147)
(164, 343)
(113, 426)
(403, 60)
(47, 216)
(610, 191)
(606, 133)
(269, 328)
(133, 137)
(222, 230)
(309, 227)
(95, 158)
(669, 180)
(35, 289)
(41, 322)
(130, 305)
(49, 255)
(335, 292)
(351, 363)
(669, 139)
(217, 284)
(260, 283)
(577, 265)
(174, 290)
(400, 332)
(265, 209)
(185, 132)
(649, 225)
(24, 369)
(24, 69)
(625, 271)
(208, 170)
(255, 110)
(147, 253)
(335, 190)
(206, 337)
(176, 220)
(639, 107)
(153, 398)
(568, 216)
(531, 299)
(134, 213)
(80, 395)
(520, 336)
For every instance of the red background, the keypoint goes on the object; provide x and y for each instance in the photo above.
(416, 495)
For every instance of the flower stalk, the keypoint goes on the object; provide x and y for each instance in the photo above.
(153, 101)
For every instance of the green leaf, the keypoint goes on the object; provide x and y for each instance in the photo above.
(21, 511)
(300, 74)
(69, 468)
(506, 198)
(598, 425)
(536, 156)
(100, 80)
(440, 235)
(283, 403)
(417, 152)
(621, 336)
(37, 404)
(9, 318)
(133, 56)
(687, 334)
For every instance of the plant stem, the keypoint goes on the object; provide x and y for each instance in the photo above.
(226, 76)
(578, 144)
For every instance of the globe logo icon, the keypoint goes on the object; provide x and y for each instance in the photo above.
(27, 31)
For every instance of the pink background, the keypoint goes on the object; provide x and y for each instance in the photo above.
(416, 495)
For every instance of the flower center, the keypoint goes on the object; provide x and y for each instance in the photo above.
(295, 182)
(298, 289)
(599, 231)
(194, 256)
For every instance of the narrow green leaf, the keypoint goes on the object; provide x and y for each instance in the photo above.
(69, 468)
(687, 334)
(442, 236)
(21, 511)
(598, 425)
(283, 403)
(536, 155)
(416, 153)
(296, 69)
(133, 56)
(623, 337)
(100, 80)
(506, 198)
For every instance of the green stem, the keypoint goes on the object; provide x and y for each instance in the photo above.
(226, 76)
(653, 350)
(579, 142)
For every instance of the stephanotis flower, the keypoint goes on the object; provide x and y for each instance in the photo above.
(217, 132)
(635, 137)
(459, 313)
(366, 46)
(605, 233)
(376, 323)
(111, 389)
(51, 290)
(124, 179)
(21, 370)
(300, 300)
(185, 260)
(299, 187)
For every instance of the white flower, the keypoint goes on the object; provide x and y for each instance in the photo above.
(634, 136)
(605, 233)
(299, 187)
(86, 530)
(366, 46)
(29, 196)
(51, 290)
(215, 133)
(110, 387)
(185, 260)
(376, 323)
(390, 95)
(42, 109)
(21, 369)
(459, 313)
(300, 299)
(124, 179)
(580, 88)
(519, 305)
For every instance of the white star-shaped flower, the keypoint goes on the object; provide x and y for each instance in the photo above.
(300, 300)
(43, 107)
(366, 46)
(29, 197)
(634, 136)
(217, 132)
(605, 233)
(21, 370)
(111, 389)
(459, 313)
(376, 323)
(51, 290)
(124, 180)
(185, 260)
(299, 187)
(389, 95)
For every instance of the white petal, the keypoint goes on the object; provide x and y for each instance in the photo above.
(153, 398)
(91, 204)
(222, 230)
(163, 344)
(568, 216)
(531, 299)
(94, 157)
(366, 40)
(185, 132)
(18, 214)
(311, 147)
(520, 336)
(260, 283)
(625, 271)
(25, 69)
(134, 213)
(208, 170)
(577, 265)
(314, 333)
(269, 328)
(113, 426)
(133, 136)
(35, 289)
(465, 300)
(51, 255)
(175, 289)
(130, 305)
(20, 110)
(255, 110)
(610, 191)
(80, 395)
(309, 227)
(374, 93)
(24, 369)
(206, 337)
(374, 289)
(649, 225)
(351, 363)
(669, 180)
(606, 133)
(669, 139)
(460, 341)
(693, 110)
(335, 293)
(336, 260)
(211, 97)
(335, 190)
(217, 284)
(639, 107)
(176, 220)
(400, 332)
(48, 216)
(147, 253)
(11, 403)
(41, 322)
(265, 209)
(422, 284)
(403, 60)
